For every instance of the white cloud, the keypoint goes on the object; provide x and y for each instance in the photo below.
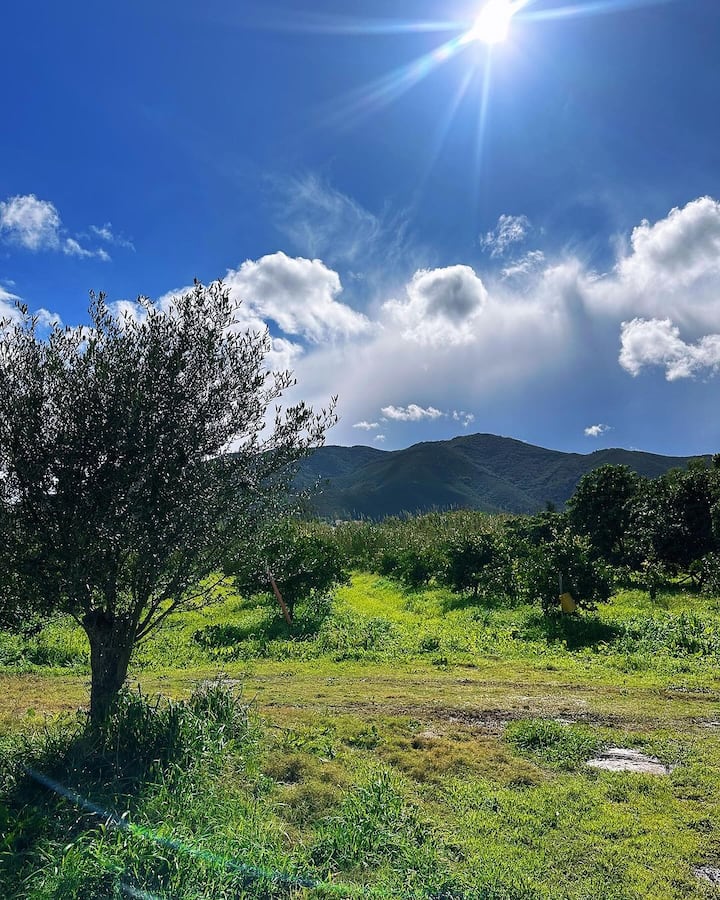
(32, 223)
(411, 413)
(10, 315)
(105, 233)
(671, 269)
(465, 418)
(528, 264)
(8, 310)
(283, 355)
(509, 339)
(71, 247)
(596, 430)
(380, 438)
(300, 295)
(36, 225)
(323, 221)
(6, 296)
(442, 306)
(657, 342)
(508, 231)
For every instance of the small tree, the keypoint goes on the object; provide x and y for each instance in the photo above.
(602, 508)
(562, 554)
(133, 453)
(303, 564)
(477, 562)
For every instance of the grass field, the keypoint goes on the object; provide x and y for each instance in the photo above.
(395, 744)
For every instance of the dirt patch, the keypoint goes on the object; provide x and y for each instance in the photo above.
(621, 759)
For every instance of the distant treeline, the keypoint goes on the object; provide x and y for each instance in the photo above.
(617, 528)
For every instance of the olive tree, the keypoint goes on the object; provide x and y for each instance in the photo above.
(133, 453)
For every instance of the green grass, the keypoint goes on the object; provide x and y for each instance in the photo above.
(397, 744)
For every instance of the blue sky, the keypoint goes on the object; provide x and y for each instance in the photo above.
(520, 238)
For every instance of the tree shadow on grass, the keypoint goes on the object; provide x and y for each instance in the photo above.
(576, 632)
(272, 627)
(74, 777)
(492, 600)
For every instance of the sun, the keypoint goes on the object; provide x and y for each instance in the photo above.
(493, 23)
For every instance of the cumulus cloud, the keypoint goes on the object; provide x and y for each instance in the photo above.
(685, 245)
(283, 355)
(411, 413)
(509, 338)
(11, 315)
(442, 305)
(299, 294)
(670, 269)
(657, 342)
(29, 222)
(596, 430)
(36, 225)
(380, 438)
(508, 231)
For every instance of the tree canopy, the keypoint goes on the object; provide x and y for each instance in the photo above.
(134, 453)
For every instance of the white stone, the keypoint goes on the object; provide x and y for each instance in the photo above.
(621, 759)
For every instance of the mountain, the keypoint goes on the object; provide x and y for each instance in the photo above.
(475, 471)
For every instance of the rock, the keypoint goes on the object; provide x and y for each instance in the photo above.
(621, 759)
(709, 874)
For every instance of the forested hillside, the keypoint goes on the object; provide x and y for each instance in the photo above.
(476, 471)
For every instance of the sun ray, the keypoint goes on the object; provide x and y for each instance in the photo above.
(346, 25)
(372, 97)
(591, 8)
(443, 130)
(482, 122)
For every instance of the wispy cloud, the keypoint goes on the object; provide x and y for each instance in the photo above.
(105, 233)
(463, 339)
(464, 418)
(71, 247)
(321, 221)
(508, 231)
(528, 264)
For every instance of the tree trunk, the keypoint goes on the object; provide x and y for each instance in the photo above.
(111, 644)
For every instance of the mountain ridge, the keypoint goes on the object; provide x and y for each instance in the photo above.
(478, 471)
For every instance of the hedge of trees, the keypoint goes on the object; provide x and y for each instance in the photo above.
(618, 528)
(510, 558)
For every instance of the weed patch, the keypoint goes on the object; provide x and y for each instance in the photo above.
(556, 744)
